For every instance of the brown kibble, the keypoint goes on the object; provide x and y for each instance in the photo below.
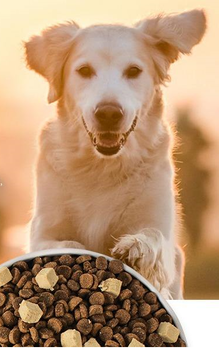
(108, 315)
(82, 258)
(129, 336)
(45, 333)
(138, 324)
(23, 327)
(125, 294)
(119, 338)
(111, 343)
(4, 335)
(166, 318)
(55, 324)
(36, 269)
(95, 283)
(111, 307)
(154, 307)
(34, 334)
(109, 298)
(14, 335)
(86, 280)
(127, 305)
(61, 295)
(64, 270)
(137, 290)
(51, 264)
(2, 299)
(101, 263)
(66, 260)
(73, 285)
(116, 266)
(106, 333)
(16, 275)
(152, 325)
(123, 316)
(80, 300)
(75, 301)
(22, 281)
(95, 310)
(98, 319)
(76, 275)
(40, 324)
(87, 266)
(96, 328)
(26, 340)
(51, 342)
(97, 298)
(154, 340)
(48, 298)
(21, 265)
(83, 310)
(69, 318)
(159, 313)
(59, 310)
(26, 293)
(113, 323)
(144, 309)
(125, 277)
(9, 319)
(150, 298)
(141, 333)
(84, 326)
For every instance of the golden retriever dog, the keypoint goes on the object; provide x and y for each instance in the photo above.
(105, 176)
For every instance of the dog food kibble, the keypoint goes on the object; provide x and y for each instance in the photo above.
(71, 338)
(92, 343)
(112, 286)
(46, 278)
(135, 344)
(168, 332)
(5, 276)
(30, 312)
(80, 301)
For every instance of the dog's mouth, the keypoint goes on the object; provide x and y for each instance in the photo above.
(109, 143)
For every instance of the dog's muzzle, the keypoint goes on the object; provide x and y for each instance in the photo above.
(109, 143)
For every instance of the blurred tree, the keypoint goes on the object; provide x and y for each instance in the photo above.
(191, 175)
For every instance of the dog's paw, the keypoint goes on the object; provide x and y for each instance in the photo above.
(143, 252)
(128, 249)
(139, 249)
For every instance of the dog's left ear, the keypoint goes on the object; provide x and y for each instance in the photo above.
(173, 34)
(47, 53)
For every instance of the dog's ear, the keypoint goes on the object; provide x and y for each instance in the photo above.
(47, 53)
(173, 34)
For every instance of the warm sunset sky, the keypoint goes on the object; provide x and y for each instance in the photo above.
(23, 107)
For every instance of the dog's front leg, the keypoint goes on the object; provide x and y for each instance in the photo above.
(148, 252)
(47, 235)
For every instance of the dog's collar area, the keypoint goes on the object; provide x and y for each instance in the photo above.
(112, 149)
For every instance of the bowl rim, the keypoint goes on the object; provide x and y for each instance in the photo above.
(75, 251)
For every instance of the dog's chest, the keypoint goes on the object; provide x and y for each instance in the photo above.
(99, 208)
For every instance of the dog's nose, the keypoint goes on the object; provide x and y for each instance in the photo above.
(109, 115)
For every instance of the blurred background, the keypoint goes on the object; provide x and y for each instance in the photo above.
(192, 104)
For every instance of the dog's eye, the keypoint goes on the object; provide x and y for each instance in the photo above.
(132, 72)
(86, 72)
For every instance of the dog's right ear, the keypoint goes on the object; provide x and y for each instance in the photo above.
(47, 53)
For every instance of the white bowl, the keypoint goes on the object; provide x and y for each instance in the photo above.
(71, 251)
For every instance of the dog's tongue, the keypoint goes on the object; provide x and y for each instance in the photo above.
(108, 139)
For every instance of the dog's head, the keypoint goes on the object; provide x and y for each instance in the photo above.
(107, 75)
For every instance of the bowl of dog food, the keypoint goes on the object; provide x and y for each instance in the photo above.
(79, 298)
